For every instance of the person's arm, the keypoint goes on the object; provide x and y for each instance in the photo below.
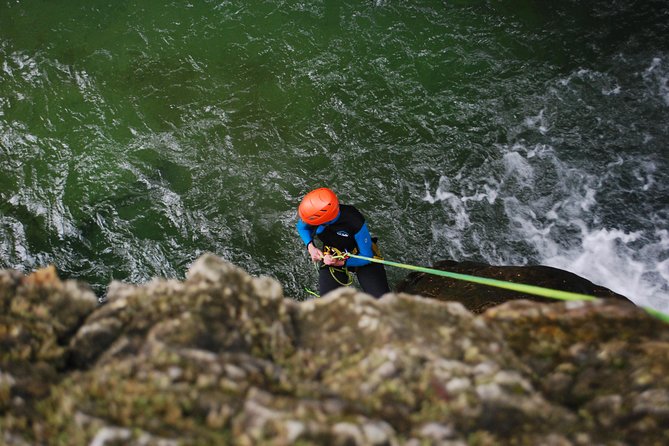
(364, 241)
(307, 235)
(306, 232)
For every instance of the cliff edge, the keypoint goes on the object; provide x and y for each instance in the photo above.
(224, 358)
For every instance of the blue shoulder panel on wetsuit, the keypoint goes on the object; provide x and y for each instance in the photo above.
(364, 241)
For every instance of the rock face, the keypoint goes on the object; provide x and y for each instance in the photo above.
(478, 298)
(224, 358)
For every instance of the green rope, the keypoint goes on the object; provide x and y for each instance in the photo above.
(519, 287)
(658, 314)
(349, 276)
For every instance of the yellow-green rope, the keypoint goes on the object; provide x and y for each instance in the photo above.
(519, 287)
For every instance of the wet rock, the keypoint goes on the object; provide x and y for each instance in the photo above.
(477, 298)
(224, 358)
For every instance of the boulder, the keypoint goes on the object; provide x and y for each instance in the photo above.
(478, 298)
(40, 314)
(225, 358)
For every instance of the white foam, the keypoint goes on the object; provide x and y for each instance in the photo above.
(538, 122)
(628, 263)
(519, 168)
(663, 269)
(559, 223)
(611, 91)
(604, 257)
(657, 79)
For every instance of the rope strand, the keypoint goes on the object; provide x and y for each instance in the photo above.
(519, 287)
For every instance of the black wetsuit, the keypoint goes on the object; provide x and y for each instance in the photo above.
(348, 232)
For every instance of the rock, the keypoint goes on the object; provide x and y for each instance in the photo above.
(40, 314)
(218, 307)
(601, 358)
(478, 298)
(224, 358)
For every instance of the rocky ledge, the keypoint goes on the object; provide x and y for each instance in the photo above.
(224, 358)
(478, 298)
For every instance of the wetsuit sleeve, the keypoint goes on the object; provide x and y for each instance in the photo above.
(364, 241)
(306, 232)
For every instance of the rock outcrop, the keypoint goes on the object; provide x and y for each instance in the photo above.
(478, 298)
(224, 358)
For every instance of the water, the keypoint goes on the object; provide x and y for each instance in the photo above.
(134, 136)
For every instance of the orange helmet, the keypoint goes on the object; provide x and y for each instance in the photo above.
(319, 206)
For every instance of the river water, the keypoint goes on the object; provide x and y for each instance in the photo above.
(137, 135)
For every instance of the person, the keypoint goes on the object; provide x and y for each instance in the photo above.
(341, 229)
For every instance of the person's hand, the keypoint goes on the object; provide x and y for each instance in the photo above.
(331, 261)
(315, 253)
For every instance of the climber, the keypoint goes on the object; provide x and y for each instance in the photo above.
(341, 228)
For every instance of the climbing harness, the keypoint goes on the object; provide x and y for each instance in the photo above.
(338, 254)
(519, 287)
(334, 271)
(334, 252)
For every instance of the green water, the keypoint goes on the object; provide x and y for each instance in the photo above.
(134, 136)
